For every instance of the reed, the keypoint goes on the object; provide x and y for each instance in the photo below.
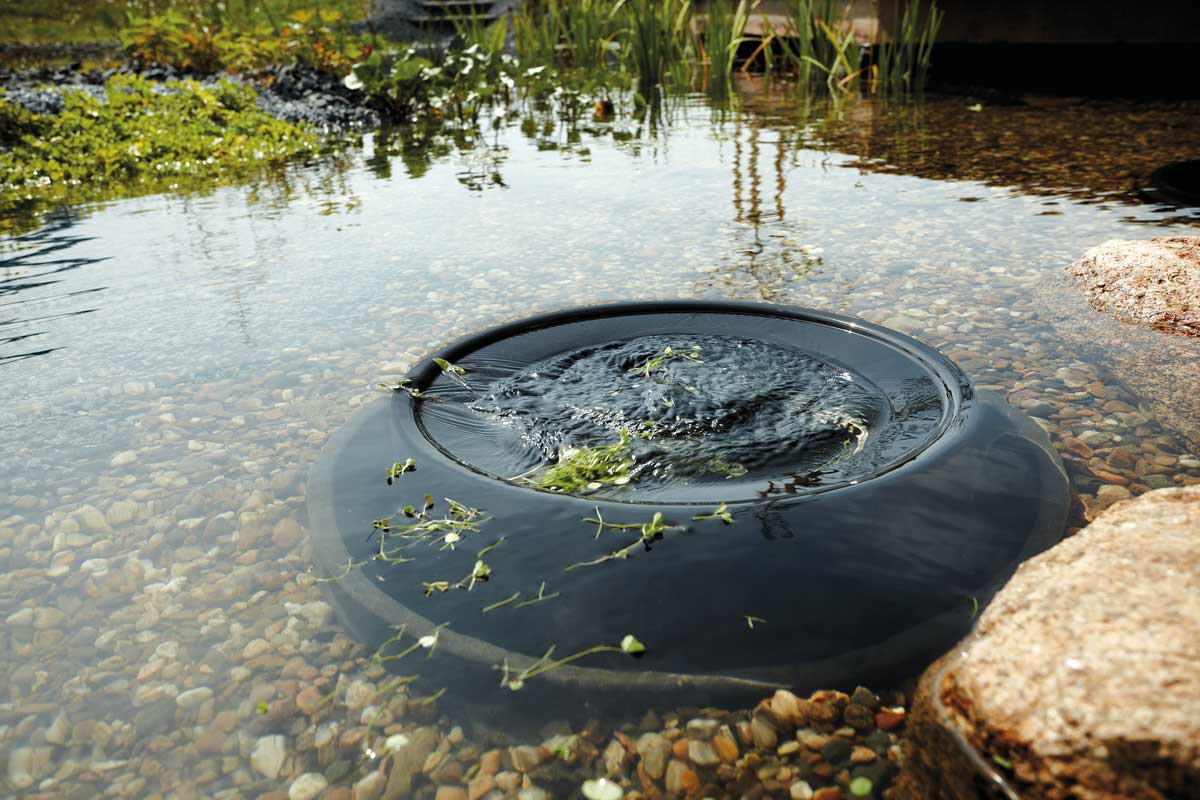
(724, 30)
(657, 35)
(902, 63)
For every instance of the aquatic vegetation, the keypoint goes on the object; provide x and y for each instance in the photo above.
(902, 63)
(210, 43)
(581, 469)
(724, 30)
(629, 645)
(751, 619)
(403, 385)
(665, 356)
(722, 513)
(650, 532)
(140, 137)
(446, 531)
(397, 469)
(447, 367)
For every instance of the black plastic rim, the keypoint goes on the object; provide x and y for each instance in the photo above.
(868, 580)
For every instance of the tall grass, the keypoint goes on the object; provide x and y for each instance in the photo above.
(657, 35)
(724, 30)
(902, 63)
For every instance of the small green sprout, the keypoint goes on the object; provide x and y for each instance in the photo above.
(629, 645)
(436, 586)
(447, 367)
(632, 646)
(541, 596)
(261, 707)
(480, 572)
(1003, 762)
(722, 513)
(751, 619)
(397, 469)
(503, 602)
(666, 355)
(734, 470)
(974, 606)
(404, 385)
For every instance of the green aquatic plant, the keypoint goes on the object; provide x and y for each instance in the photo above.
(650, 532)
(404, 385)
(724, 30)
(722, 513)
(580, 469)
(722, 467)
(541, 597)
(751, 619)
(447, 367)
(902, 62)
(861, 786)
(397, 469)
(629, 645)
(665, 356)
(141, 137)
(446, 532)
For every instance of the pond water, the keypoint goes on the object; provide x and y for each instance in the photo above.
(171, 366)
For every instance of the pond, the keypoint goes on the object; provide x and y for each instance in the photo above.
(173, 365)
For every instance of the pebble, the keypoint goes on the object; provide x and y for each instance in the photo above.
(193, 698)
(654, 750)
(123, 458)
(307, 787)
(268, 755)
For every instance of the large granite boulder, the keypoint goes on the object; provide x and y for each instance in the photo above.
(1154, 282)
(1138, 337)
(1082, 679)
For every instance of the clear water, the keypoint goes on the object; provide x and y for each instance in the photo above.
(172, 365)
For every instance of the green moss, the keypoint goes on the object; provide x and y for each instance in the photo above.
(144, 138)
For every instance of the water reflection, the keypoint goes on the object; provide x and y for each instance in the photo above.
(25, 273)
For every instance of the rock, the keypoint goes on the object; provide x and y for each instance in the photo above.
(800, 790)
(407, 762)
(1150, 362)
(48, 617)
(121, 512)
(480, 786)
(123, 459)
(91, 519)
(1082, 671)
(307, 787)
(59, 730)
(309, 700)
(602, 789)
(525, 757)
(27, 764)
(194, 698)
(255, 648)
(615, 759)
(681, 780)
(369, 787)
(763, 733)
(702, 753)
(654, 750)
(450, 793)
(268, 756)
(1155, 282)
(287, 533)
(726, 747)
